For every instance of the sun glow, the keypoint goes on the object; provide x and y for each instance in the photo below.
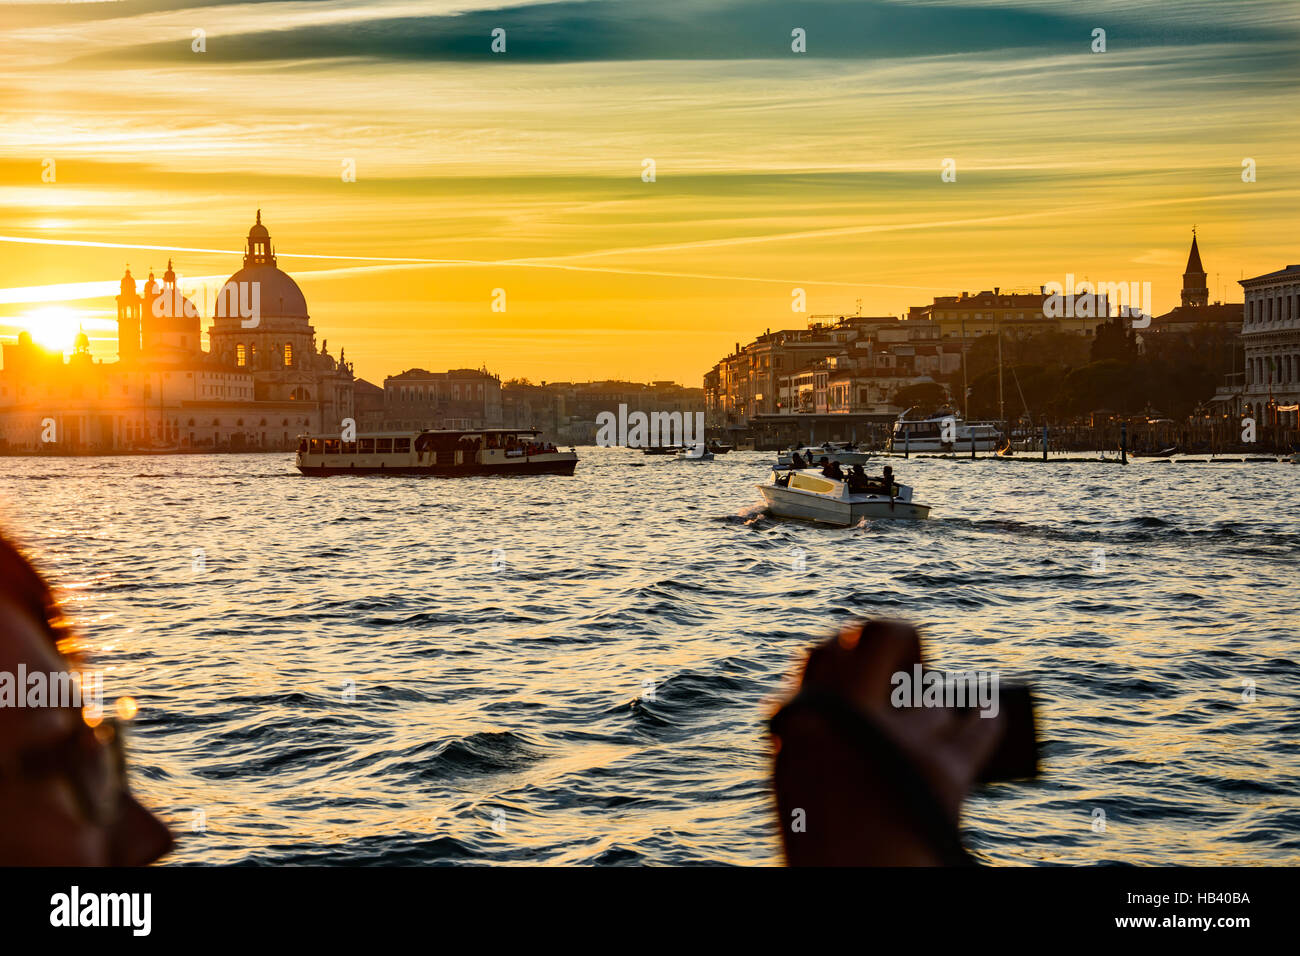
(54, 327)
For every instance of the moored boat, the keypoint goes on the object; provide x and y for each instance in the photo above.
(843, 452)
(944, 432)
(812, 496)
(442, 453)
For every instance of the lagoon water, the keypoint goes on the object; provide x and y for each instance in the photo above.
(577, 670)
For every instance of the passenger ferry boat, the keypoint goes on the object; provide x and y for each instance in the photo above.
(927, 434)
(812, 496)
(444, 453)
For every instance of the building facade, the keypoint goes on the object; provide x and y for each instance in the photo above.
(461, 398)
(1018, 314)
(1270, 335)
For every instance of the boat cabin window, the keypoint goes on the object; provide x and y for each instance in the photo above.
(401, 444)
(332, 446)
(383, 446)
(366, 446)
(315, 446)
(349, 448)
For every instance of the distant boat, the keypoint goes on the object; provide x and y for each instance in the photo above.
(810, 495)
(442, 453)
(835, 451)
(943, 432)
(696, 452)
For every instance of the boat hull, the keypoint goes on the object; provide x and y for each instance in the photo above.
(786, 503)
(961, 444)
(555, 467)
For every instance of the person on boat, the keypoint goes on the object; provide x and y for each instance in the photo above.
(887, 482)
(858, 480)
(825, 464)
(835, 471)
(797, 462)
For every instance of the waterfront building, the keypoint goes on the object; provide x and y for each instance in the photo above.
(1271, 339)
(1015, 314)
(258, 386)
(460, 398)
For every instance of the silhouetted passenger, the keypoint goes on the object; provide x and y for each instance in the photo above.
(858, 481)
(63, 792)
(836, 471)
(796, 461)
(887, 482)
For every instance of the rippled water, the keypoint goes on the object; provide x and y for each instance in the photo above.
(576, 670)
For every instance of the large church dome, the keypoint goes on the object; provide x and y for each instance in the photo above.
(278, 295)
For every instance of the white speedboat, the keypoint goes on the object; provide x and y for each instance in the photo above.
(841, 451)
(696, 452)
(810, 495)
(943, 432)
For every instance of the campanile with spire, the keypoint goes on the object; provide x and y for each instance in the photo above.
(1195, 293)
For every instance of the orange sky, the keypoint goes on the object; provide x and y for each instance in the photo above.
(522, 171)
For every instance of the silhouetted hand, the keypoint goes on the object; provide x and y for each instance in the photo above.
(860, 782)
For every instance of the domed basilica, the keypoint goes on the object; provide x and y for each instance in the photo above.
(261, 383)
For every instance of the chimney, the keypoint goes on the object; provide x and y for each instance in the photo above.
(996, 290)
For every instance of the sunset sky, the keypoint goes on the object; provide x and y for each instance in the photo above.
(523, 170)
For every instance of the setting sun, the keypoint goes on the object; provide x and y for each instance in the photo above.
(54, 327)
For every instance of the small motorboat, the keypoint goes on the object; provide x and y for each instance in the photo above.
(696, 452)
(835, 451)
(720, 448)
(810, 495)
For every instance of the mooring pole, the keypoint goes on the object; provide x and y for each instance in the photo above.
(1044, 443)
(907, 444)
(1123, 443)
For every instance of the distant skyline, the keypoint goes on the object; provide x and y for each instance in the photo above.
(522, 170)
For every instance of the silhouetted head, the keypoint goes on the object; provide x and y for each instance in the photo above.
(63, 794)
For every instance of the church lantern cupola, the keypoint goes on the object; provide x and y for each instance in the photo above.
(260, 252)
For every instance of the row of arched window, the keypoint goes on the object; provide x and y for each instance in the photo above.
(1274, 370)
(1278, 307)
(246, 355)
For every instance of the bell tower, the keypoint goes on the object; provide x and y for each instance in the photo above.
(1195, 293)
(128, 320)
